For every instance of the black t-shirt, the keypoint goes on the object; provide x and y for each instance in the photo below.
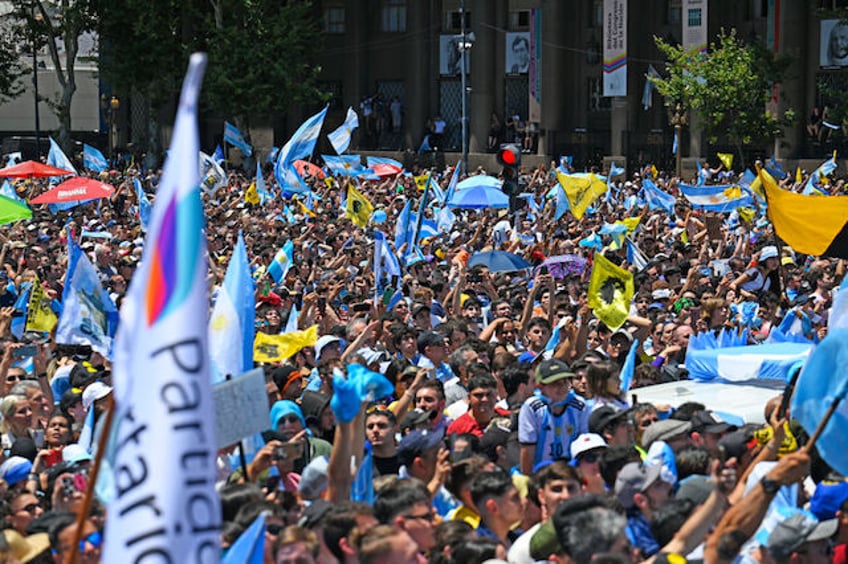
(386, 466)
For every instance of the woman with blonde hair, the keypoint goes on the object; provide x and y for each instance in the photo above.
(17, 420)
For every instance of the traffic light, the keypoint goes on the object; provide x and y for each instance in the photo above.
(509, 157)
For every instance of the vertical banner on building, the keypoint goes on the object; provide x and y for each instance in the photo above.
(694, 24)
(615, 47)
(535, 73)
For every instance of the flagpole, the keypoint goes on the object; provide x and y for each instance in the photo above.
(92, 477)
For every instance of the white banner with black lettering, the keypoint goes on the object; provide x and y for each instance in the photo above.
(615, 47)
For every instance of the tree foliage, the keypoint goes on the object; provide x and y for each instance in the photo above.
(11, 67)
(728, 87)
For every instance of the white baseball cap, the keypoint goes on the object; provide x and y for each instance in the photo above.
(585, 443)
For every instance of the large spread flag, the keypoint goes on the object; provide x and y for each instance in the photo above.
(813, 225)
(40, 316)
(231, 326)
(233, 136)
(277, 348)
(656, 198)
(282, 262)
(610, 292)
(56, 157)
(89, 317)
(340, 137)
(358, 207)
(581, 191)
(144, 206)
(345, 165)
(164, 452)
(300, 146)
(725, 198)
(93, 159)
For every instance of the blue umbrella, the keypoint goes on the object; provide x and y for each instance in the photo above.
(479, 197)
(480, 180)
(499, 261)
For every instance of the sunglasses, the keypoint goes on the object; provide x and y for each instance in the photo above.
(290, 419)
(273, 530)
(590, 458)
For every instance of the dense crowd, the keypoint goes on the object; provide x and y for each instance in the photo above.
(508, 435)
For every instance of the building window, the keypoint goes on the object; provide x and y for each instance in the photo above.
(394, 16)
(334, 20)
(693, 18)
(519, 20)
(673, 12)
(453, 21)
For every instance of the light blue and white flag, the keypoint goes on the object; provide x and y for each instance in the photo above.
(374, 161)
(302, 143)
(345, 165)
(272, 155)
(144, 206)
(231, 326)
(656, 198)
(635, 256)
(291, 322)
(160, 374)
(340, 137)
(561, 202)
(249, 547)
(282, 262)
(233, 136)
(261, 188)
(93, 159)
(674, 147)
(647, 92)
(212, 176)
(89, 317)
(218, 155)
(386, 263)
(717, 198)
(362, 488)
(628, 367)
(58, 159)
(9, 191)
(769, 361)
(13, 158)
(402, 226)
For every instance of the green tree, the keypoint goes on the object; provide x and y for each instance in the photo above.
(728, 88)
(56, 26)
(11, 66)
(262, 58)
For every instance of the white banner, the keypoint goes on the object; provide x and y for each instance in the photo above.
(163, 454)
(615, 47)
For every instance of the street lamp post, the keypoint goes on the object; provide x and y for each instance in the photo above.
(35, 17)
(464, 45)
(678, 119)
(110, 107)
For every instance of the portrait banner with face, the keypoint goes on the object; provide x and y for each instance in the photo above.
(833, 44)
(517, 52)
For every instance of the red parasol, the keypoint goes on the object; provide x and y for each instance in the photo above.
(305, 167)
(32, 169)
(77, 189)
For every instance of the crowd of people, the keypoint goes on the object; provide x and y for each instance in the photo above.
(508, 435)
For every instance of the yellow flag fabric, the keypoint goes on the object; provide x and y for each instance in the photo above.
(813, 225)
(631, 223)
(733, 193)
(726, 159)
(277, 348)
(581, 191)
(358, 207)
(306, 211)
(746, 214)
(421, 181)
(40, 316)
(251, 196)
(757, 187)
(798, 177)
(654, 172)
(610, 292)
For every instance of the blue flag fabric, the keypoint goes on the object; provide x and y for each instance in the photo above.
(717, 198)
(656, 198)
(561, 201)
(345, 165)
(9, 191)
(93, 159)
(22, 305)
(823, 380)
(272, 155)
(89, 317)
(261, 188)
(218, 155)
(340, 137)
(233, 136)
(363, 484)
(249, 548)
(58, 159)
(300, 146)
(282, 262)
(360, 386)
(628, 367)
(232, 323)
(144, 206)
(402, 226)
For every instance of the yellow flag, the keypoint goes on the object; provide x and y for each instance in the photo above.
(746, 214)
(631, 223)
(306, 211)
(251, 196)
(421, 181)
(798, 177)
(610, 292)
(726, 159)
(277, 348)
(757, 187)
(654, 172)
(733, 193)
(40, 316)
(581, 191)
(358, 207)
